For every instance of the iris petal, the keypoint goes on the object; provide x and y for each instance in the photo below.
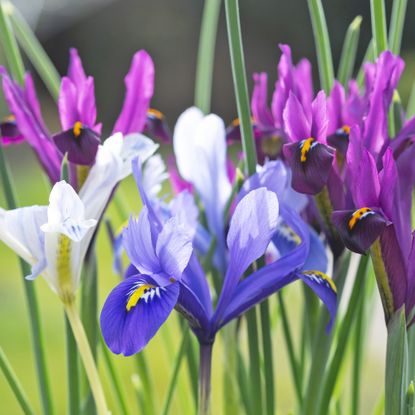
(128, 331)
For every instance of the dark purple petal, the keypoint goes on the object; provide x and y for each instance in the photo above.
(80, 143)
(359, 228)
(133, 312)
(10, 133)
(340, 139)
(311, 164)
(139, 84)
(325, 289)
(156, 126)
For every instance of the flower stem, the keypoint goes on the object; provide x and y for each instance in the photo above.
(87, 357)
(14, 384)
(205, 367)
(206, 54)
(73, 371)
(239, 82)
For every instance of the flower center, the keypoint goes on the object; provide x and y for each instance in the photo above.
(137, 294)
(346, 129)
(77, 128)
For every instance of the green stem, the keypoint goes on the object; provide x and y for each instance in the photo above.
(268, 357)
(410, 109)
(348, 55)
(240, 84)
(205, 367)
(290, 348)
(34, 51)
(89, 313)
(322, 44)
(13, 57)
(146, 381)
(87, 357)
(230, 367)
(396, 25)
(343, 335)
(377, 13)
(31, 301)
(115, 379)
(176, 368)
(14, 384)
(254, 361)
(73, 371)
(206, 54)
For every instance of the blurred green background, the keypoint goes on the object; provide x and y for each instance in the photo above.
(106, 34)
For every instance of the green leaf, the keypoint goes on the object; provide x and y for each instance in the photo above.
(348, 55)
(206, 54)
(377, 13)
(240, 84)
(396, 383)
(396, 25)
(322, 44)
(410, 399)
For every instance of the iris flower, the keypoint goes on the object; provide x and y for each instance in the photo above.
(165, 272)
(80, 136)
(54, 239)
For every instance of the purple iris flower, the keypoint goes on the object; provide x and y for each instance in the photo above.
(9, 132)
(166, 273)
(80, 138)
(24, 105)
(308, 154)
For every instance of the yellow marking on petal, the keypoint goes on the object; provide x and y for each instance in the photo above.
(136, 295)
(346, 129)
(237, 122)
(155, 113)
(77, 127)
(305, 148)
(324, 277)
(357, 216)
(64, 268)
(9, 118)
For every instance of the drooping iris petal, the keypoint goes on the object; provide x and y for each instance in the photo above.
(9, 131)
(134, 311)
(311, 164)
(359, 228)
(79, 143)
(325, 289)
(156, 126)
(19, 229)
(139, 84)
(252, 226)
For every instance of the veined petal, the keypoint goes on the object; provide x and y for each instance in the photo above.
(139, 84)
(66, 213)
(252, 226)
(138, 243)
(174, 248)
(134, 311)
(319, 118)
